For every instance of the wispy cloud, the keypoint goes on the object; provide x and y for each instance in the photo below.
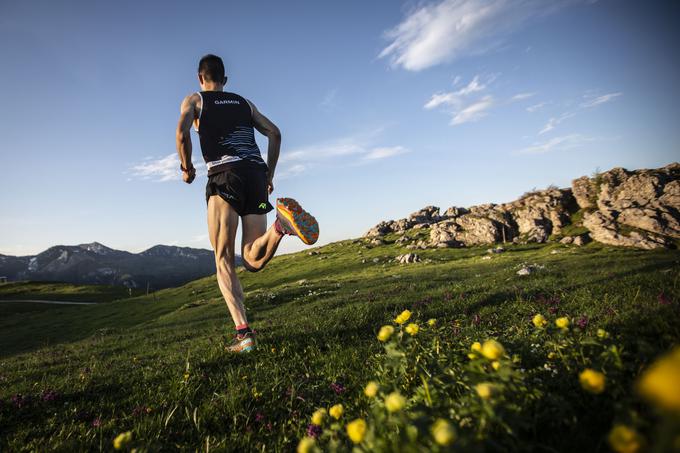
(350, 150)
(597, 100)
(536, 107)
(456, 98)
(464, 105)
(162, 169)
(473, 112)
(382, 153)
(592, 101)
(522, 96)
(440, 32)
(556, 143)
(553, 122)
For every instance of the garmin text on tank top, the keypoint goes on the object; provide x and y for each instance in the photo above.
(225, 129)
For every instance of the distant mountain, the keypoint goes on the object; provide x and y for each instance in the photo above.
(161, 266)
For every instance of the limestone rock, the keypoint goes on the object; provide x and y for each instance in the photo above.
(639, 208)
(407, 258)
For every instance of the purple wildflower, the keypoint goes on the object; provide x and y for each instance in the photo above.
(49, 395)
(97, 422)
(338, 388)
(582, 322)
(19, 400)
(259, 416)
(313, 430)
(663, 299)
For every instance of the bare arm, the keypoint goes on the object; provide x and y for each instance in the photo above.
(183, 137)
(266, 127)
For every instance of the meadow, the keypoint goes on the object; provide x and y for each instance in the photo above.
(465, 363)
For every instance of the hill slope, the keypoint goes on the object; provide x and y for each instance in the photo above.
(75, 378)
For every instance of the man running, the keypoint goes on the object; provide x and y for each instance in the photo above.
(239, 182)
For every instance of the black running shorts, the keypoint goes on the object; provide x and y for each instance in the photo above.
(243, 185)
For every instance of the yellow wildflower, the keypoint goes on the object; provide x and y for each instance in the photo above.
(539, 321)
(660, 382)
(562, 323)
(431, 322)
(472, 356)
(476, 346)
(356, 430)
(395, 402)
(122, 440)
(403, 317)
(336, 411)
(412, 329)
(319, 416)
(385, 333)
(624, 439)
(443, 432)
(484, 390)
(306, 444)
(496, 365)
(592, 381)
(601, 333)
(492, 350)
(371, 389)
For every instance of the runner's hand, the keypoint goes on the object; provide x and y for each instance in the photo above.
(270, 186)
(189, 175)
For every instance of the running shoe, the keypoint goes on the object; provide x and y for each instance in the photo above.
(242, 343)
(293, 219)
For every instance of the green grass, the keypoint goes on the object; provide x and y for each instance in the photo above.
(317, 317)
(63, 291)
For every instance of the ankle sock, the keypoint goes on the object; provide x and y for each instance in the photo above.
(243, 329)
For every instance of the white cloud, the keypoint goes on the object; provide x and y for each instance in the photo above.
(359, 148)
(441, 32)
(536, 107)
(291, 171)
(556, 143)
(554, 122)
(382, 153)
(522, 96)
(455, 98)
(473, 112)
(458, 103)
(595, 101)
(162, 169)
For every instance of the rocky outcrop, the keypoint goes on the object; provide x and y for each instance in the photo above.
(638, 208)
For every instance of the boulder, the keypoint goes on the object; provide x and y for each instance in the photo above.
(407, 258)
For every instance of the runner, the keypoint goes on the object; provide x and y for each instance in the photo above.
(239, 182)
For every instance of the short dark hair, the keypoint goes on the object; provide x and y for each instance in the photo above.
(212, 68)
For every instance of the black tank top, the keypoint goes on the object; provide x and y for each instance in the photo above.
(225, 129)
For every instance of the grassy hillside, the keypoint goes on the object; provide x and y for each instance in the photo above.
(72, 379)
(63, 291)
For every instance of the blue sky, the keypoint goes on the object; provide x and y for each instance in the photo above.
(384, 107)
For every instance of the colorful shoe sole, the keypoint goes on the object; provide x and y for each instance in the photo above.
(245, 345)
(297, 219)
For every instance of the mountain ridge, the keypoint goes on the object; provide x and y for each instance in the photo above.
(159, 266)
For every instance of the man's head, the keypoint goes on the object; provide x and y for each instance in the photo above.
(211, 72)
